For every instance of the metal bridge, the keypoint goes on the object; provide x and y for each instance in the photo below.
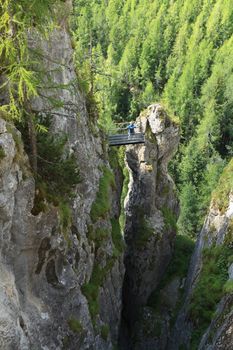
(124, 139)
(120, 137)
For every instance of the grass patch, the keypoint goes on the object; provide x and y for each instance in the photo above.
(75, 325)
(169, 218)
(101, 235)
(91, 289)
(117, 236)
(104, 332)
(98, 235)
(228, 287)
(102, 203)
(65, 215)
(221, 195)
(113, 158)
(209, 289)
(91, 292)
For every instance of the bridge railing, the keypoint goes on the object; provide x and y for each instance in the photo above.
(121, 129)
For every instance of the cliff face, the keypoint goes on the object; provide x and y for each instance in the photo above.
(151, 211)
(206, 318)
(60, 288)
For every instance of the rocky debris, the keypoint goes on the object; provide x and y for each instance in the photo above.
(151, 212)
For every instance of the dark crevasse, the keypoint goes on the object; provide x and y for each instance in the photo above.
(186, 304)
(151, 208)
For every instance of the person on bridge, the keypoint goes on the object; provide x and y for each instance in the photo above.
(131, 128)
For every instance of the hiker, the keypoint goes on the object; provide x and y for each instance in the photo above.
(131, 128)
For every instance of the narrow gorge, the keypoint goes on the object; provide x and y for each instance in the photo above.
(93, 253)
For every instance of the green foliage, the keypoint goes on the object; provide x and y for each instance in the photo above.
(209, 289)
(104, 332)
(221, 194)
(65, 216)
(179, 53)
(188, 219)
(16, 20)
(169, 218)
(178, 267)
(56, 168)
(101, 235)
(113, 158)
(57, 176)
(228, 287)
(91, 292)
(117, 236)
(75, 325)
(102, 205)
(183, 250)
(91, 289)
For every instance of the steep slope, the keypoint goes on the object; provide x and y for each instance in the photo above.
(151, 212)
(205, 320)
(178, 52)
(61, 268)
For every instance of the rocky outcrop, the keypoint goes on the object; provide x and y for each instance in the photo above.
(151, 212)
(215, 239)
(60, 288)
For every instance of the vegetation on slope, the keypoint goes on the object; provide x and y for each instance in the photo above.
(177, 268)
(131, 53)
(17, 18)
(209, 289)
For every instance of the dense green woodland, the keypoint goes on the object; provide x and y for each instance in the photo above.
(131, 53)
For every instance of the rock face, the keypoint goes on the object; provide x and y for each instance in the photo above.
(59, 290)
(216, 232)
(151, 213)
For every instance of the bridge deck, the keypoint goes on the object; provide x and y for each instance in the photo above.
(124, 139)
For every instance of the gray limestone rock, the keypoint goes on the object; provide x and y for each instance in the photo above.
(42, 268)
(219, 335)
(150, 204)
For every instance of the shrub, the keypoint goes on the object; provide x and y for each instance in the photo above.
(169, 218)
(91, 289)
(57, 169)
(105, 332)
(91, 292)
(101, 235)
(75, 325)
(221, 194)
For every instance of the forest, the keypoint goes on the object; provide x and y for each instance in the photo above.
(131, 53)
(105, 248)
